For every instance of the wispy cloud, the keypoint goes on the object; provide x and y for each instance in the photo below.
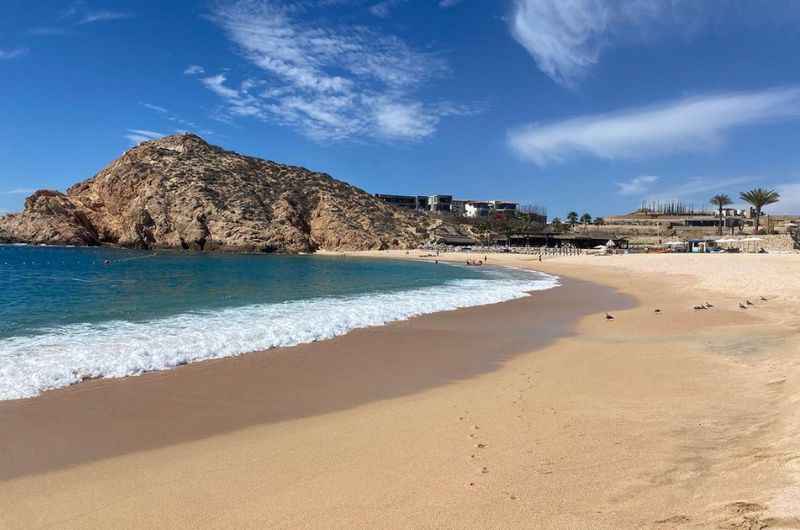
(449, 3)
(81, 13)
(187, 125)
(194, 69)
(686, 125)
(13, 53)
(137, 136)
(567, 38)
(156, 108)
(329, 82)
(104, 16)
(636, 185)
(384, 8)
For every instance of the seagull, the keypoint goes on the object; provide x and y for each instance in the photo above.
(742, 306)
(609, 317)
(749, 302)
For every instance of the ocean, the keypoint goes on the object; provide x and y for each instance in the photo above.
(68, 314)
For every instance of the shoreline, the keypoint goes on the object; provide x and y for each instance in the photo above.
(296, 322)
(72, 410)
(677, 419)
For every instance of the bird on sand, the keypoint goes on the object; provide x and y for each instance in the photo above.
(742, 306)
(609, 317)
(748, 302)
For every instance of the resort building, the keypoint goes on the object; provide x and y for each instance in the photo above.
(475, 209)
(446, 204)
(440, 203)
(503, 207)
(409, 202)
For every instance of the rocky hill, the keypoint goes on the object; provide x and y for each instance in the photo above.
(181, 192)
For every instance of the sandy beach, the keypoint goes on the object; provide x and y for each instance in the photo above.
(534, 413)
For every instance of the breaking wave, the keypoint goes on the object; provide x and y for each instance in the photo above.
(61, 356)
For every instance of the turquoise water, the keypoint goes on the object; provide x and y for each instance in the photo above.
(71, 313)
(44, 287)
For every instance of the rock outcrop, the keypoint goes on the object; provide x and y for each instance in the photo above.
(181, 192)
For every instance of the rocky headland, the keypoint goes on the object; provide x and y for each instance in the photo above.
(181, 192)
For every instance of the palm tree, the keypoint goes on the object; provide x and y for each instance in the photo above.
(585, 220)
(721, 201)
(572, 218)
(556, 224)
(758, 198)
(599, 221)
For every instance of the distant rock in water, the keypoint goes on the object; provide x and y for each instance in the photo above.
(181, 192)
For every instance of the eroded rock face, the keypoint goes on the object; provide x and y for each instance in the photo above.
(180, 192)
(51, 218)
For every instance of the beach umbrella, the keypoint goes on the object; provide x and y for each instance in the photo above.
(611, 244)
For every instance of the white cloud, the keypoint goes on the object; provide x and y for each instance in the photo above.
(329, 82)
(567, 38)
(217, 85)
(137, 136)
(156, 108)
(194, 69)
(7, 54)
(404, 120)
(686, 125)
(167, 115)
(637, 185)
(384, 8)
(104, 16)
(79, 12)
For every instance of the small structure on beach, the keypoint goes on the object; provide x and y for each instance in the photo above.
(582, 240)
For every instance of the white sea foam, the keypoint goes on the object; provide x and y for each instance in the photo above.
(62, 356)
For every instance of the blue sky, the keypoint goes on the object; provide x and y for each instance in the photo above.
(569, 104)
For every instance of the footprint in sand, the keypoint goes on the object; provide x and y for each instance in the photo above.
(675, 519)
(745, 507)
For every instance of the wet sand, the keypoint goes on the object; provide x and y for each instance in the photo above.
(104, 418)
(536, 413)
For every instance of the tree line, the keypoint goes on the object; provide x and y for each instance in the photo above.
(758, 198)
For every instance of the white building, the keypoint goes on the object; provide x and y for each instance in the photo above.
(476, 209)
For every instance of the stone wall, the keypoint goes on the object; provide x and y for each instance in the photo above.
(770, 243)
